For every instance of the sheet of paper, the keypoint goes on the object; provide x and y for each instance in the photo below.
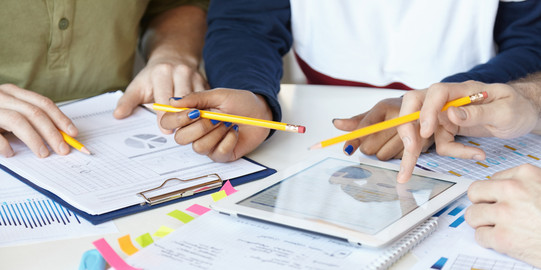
(27, 217)
(130, 155)
(500, 155)
(216, 241)
(453, 245)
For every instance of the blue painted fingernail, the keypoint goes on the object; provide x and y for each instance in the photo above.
(227, 124)
(236, 128)
(175, 98)
(349, 149)
(214, 122)
(193, 114)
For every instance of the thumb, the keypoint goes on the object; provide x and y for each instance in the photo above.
(469, 116)
(127, 103)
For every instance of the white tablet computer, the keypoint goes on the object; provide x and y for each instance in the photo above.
(358, 201)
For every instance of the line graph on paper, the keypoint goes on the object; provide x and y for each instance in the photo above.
(501, 154)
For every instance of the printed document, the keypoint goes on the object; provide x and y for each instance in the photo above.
(129, 156)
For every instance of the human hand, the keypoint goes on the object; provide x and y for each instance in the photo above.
(33, 118)
(220, 141)
(504, 114)
(385, 144)
(157, 82)
(506, 212)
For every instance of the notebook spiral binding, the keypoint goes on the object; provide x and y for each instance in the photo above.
(404, 244)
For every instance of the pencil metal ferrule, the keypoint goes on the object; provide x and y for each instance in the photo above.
(477, 97)
(295, 128)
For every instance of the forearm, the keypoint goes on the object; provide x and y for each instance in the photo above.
(519, 45)
(530, 87)
(176, 34)
(245, 44)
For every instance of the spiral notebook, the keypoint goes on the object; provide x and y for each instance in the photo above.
(398, 249)
(216, 241)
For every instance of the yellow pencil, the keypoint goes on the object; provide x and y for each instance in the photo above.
(395, 122)
(74, 143)
(232, 118)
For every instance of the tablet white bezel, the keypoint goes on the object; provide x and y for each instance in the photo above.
(393, 231)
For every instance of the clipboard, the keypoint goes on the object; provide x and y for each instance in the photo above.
(154, 201)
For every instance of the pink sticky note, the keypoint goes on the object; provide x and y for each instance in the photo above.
(228, 188)
(197, 209)
(111, 256)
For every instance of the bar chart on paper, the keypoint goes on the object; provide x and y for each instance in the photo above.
(26, 216)
(463, 261)
(500, 155)
(33, 213)
(452, 246)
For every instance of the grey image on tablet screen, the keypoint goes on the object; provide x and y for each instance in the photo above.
(347, 194)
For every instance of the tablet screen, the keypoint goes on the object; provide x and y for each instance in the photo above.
(347, 194)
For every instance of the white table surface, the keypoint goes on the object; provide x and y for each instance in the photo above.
(309, 105)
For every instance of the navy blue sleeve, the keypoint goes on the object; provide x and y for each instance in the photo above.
(244, 45)
(517, 32)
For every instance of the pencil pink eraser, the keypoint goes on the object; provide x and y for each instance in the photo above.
(302, 129)
(485, 94)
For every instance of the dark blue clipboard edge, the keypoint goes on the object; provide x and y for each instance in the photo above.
(97, 219)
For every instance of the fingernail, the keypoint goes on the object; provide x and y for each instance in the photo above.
(72, 130)
(406, 140)
(214, 122)
(43, 151)
(227, 124)
(478, 157)
(236, 128)
(399, 175)
(10, 153)
(333, 120)
(64, 148)
(461, 113)
(424, 126)
(349, 150)
(193, 114)
(175, 98)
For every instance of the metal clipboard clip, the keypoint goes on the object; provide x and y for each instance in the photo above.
(208, 181)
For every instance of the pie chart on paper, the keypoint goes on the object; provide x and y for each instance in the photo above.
(145, 141)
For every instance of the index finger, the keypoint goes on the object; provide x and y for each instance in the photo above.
(436, 97)
(484, 191)
(60, 120)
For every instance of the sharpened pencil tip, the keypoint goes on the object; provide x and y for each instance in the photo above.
(86, 151)
(148, 105)
(315, 146)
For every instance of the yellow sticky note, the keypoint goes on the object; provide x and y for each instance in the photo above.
(216, 196)
(144, 240)
(126, 245)
(163, 231)
(181, 216)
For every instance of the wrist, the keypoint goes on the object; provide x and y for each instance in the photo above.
(267, 115)
(530, 88)
(165, 56)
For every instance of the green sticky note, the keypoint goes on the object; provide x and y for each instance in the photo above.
(163, 231)
(181, 216)
(218, 195)
(144, 240)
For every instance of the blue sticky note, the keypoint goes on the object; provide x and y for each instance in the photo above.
(92, 260)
